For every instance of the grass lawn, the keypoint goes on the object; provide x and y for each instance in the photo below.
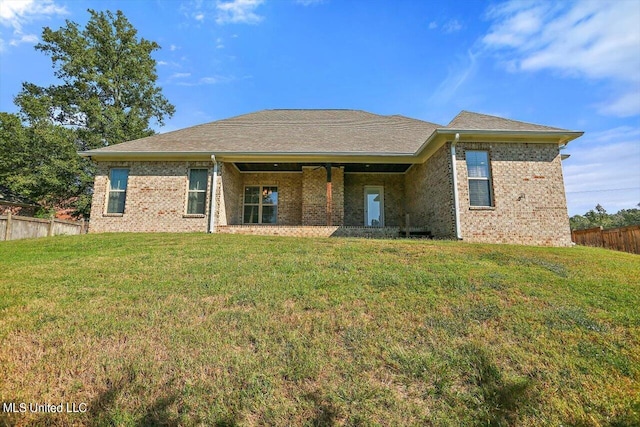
(196, 329)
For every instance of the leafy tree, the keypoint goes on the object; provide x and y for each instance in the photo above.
(107, 95)
(39, 161)
(600, 218)
(108, 89)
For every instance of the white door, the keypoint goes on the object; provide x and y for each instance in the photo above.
(374, 206)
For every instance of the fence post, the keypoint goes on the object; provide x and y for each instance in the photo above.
(50, 230)
(7, 232)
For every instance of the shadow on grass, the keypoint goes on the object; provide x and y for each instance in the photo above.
(325, 412)
(501, 400)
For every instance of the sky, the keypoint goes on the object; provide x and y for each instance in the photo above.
(570, 64)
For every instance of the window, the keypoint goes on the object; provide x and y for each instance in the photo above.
(197, 194)
(479, 178)
(260, 205)
(117, 190)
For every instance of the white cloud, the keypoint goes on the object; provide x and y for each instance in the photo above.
(433, 25)
(238, 12)
(24, 38)
(173, 47)
(603, 168)
(452, 26)
(180, 75)
(199, 17)
(219, 43)
(625, 105)
(589, 39)
(309, 2)
(16, 14)
(210, 80)
(458, 74)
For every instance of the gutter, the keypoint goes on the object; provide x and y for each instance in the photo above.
(213, 204)
(455, 185)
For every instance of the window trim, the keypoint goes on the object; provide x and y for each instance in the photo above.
(110, 190)
(259, 204)
(487, 179)
(186, 205)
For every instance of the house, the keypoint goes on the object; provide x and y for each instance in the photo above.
(342, 173)
(16, 204)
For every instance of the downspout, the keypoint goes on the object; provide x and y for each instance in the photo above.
(213, 205)
(455, 185)
(329, 196)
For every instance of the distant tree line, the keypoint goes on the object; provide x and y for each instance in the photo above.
(599, 217)
(107, 94)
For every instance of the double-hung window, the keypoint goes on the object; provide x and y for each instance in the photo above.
(479, 178)
(197, 194)
(117, 190)
(260, 205)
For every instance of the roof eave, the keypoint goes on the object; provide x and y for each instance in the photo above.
(544, 136)
(256, 157)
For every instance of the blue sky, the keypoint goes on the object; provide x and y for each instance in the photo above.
(569, 64)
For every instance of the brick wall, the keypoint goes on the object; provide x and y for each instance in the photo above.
(289, 193)
(155, 201)
(429, 195)
(314, 196)
(529, 200)
(354, 184)
(229, 195)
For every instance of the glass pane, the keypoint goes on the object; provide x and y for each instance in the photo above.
(116, 202)
(477, 164)
(196, 202)
(250, 215)
(269, 214)
(479, 194)
(269, 195)
(119, 179)
(198, 179)
(252, 195)
(374, 208)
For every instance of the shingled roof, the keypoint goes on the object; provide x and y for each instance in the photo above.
(8, 197)
(474, 121)
(291, 131)
(321, 132)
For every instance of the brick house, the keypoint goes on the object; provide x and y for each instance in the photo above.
(16, 204)
(343, 173)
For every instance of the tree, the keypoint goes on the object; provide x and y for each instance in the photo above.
(107, 92)
(40, 161)
(600, 218)
(108, 89)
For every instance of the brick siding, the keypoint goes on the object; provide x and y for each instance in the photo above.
(429, 195)
(528, 192)
(314, 196)
(394, 196)
(156, 198)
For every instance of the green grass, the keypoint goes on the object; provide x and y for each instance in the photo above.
(196, 329)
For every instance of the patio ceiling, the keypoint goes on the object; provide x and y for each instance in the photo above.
(348, 167)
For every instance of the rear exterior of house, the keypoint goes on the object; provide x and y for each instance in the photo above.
(340, 173)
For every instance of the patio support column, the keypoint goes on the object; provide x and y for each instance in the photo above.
(329, 196)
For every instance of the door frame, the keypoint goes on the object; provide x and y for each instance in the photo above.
(380, 189)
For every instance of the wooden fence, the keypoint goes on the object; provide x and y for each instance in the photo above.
(625, 239)
(14, 227)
